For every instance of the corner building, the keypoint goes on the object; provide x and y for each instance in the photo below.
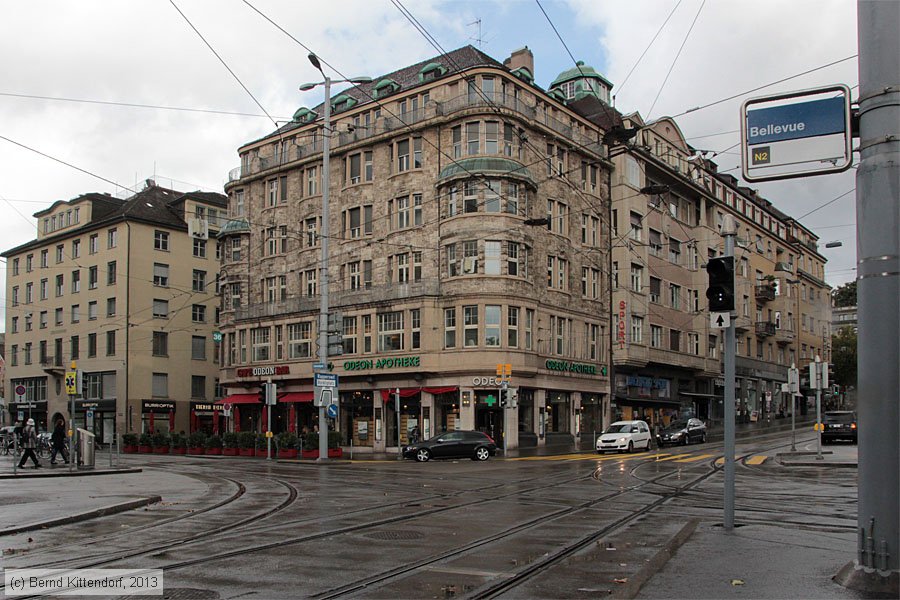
(467, 230)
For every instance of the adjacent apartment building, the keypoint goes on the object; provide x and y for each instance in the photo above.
(126, 290)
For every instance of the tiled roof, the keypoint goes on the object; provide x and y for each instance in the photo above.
(214, 198)
(597, 112)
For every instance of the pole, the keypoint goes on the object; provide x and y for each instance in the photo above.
(503, 387)
(397, 412)
(793, 421)
(268, 419)
(878, 276)
(729, 232)
(818, 407)
(73, 455)
(323, 240)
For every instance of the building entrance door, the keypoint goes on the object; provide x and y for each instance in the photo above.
(489, 415)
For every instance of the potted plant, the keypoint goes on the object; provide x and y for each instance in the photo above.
(334, 445)
(145, 444)
(160, 442)
(261, 446)
(246, 443)
(287, 445)
(230, 444)
(196, 442)
(179, 443)
(214, 445)
(129, 443)
(310, 445)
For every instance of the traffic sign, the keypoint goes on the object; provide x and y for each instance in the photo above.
(20, 391)
(72, 383)
(325, 380)
(318, 365)
(796, 134)
(331, 411)
(323, 396)
(217, 336)
(719, 320)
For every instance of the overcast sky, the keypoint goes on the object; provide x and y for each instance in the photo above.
(145, 52)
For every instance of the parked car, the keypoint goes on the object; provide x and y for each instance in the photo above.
(839, 425)
(453, 444)
(682, 432)
(625, 436)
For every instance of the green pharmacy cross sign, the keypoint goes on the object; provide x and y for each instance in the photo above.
(490, 400)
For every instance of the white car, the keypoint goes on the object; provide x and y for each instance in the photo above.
(625, 436)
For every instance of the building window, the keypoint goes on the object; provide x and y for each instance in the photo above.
(93, 244)
(59, 253)
(92, 310)
(76, 248)
(312, 232)
(675, 340)
(299, 340)
(512, 327)
(491, 325)
(111, 273)
(367, 333)
(636, 232)
(390, 331)
(655, 336)
(93, 276)
(160, 388)
(675, 296)
(309, 282)
(111, 343)
(199, 248)
(655, 288)
(198, 347)
(198, 387)
(470, 326)
(76, 313)
(198, 313)
(160, 308)
(415, 318)
(160, 343)
(312, 181)
(472, 138)
(110, 307)
(76, 284)
(198, 281)
(674, 251)
(456, 133)
(161, 240)
(259, 344)
(492, 258)
(349, 333)
(637, 275)
(637, 330)
(160, 275)
(44, 289)
(450, 327)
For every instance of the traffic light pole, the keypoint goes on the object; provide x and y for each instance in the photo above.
(728, 232)
(503, 400)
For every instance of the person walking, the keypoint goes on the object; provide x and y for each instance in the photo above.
(58, 443)
(29, 443)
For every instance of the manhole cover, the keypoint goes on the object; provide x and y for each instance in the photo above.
(181, 594)
(395, 535)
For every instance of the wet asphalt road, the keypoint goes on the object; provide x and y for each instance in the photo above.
(574, 526)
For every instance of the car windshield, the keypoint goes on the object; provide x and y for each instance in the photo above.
(619, 428)
(840, 417)
(677, 425)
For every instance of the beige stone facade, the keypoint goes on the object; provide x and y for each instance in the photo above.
(125, 289)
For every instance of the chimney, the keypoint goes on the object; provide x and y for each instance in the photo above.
(520, 58)
(150, 183)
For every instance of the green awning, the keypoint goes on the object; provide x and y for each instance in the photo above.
(487, 166)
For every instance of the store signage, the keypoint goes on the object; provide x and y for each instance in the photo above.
(205, 406)
(647, 382)
(263, 371)
(570, 367)
(157, 406)
(96, 405)
(13, 406)
(487, 381)
(620, 325)
(382, 363)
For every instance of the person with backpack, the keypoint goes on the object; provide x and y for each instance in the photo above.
(29, 443)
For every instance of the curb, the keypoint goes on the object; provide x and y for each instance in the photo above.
(92, 514)
(67, 473)
(656, 563)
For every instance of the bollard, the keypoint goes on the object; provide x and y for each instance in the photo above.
(15, 452)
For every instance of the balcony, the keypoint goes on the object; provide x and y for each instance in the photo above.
(53, 365)
(765, 292)
(341, 299)
(765, 328)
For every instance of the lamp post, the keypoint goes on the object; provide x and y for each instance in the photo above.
(323, 286)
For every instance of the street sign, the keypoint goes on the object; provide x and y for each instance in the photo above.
(719, 320)
(796, 134)
(323, 396)
(217, 336)
(20, 392)
(318, 365)
(72, 383)
(325, 380)
(331, 411)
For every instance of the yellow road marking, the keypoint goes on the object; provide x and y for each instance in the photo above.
(720, 461)
(757, 460)
(674, 457)
(589, 456)
(694, 458)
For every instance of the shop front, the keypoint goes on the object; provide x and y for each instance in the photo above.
(294, 412)
(207, 417)
(410, 411)
(157, 416)
(357, 418)
(20, 412)
(98, 417)
(591, 415)
(645, 398)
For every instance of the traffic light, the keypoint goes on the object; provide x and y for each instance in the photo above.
(504, 397)
(335, 333)
(262, 393)
(513, 399)
(720, 292)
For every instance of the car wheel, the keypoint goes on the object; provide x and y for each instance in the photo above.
(630, 447)
(703, 439)
(648, 444)
(482, 453)
(423, 455)
(685, 440)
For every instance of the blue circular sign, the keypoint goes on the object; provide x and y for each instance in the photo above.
(331, 411)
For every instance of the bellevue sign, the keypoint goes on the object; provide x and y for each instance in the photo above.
(796, 134)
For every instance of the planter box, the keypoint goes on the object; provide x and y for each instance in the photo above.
(179, 450)
(214, 452)
(145, 449)
(310, 454)
(290, 453)
(160, 449)
(130, 449)
(196, 450)
(335, 452)
(246, 452)
(229, 451)
(262, 452)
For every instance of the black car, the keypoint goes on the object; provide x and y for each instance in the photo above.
(453, 444)
(839, 425)
(682, 432)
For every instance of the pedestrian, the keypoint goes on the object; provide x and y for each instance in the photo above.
(29, 443)
(58, 442)
(414, 434)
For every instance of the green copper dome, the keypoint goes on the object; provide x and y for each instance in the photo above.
(582, 71)
(235, 226)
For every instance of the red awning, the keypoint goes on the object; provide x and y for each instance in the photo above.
(240, 399)
(387, 395)
(296, 397)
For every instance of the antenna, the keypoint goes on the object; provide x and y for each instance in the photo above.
(478, 39)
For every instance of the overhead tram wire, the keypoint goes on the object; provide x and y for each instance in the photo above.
(675, 60)
(641, 57)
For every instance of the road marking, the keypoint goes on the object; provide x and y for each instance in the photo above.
(674, 457)
(588, 456)
(694, 458)
(756, 460)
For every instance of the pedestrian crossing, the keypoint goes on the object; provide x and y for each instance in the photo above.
(680, 458)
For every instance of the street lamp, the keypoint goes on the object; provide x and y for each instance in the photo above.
(323, 290)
